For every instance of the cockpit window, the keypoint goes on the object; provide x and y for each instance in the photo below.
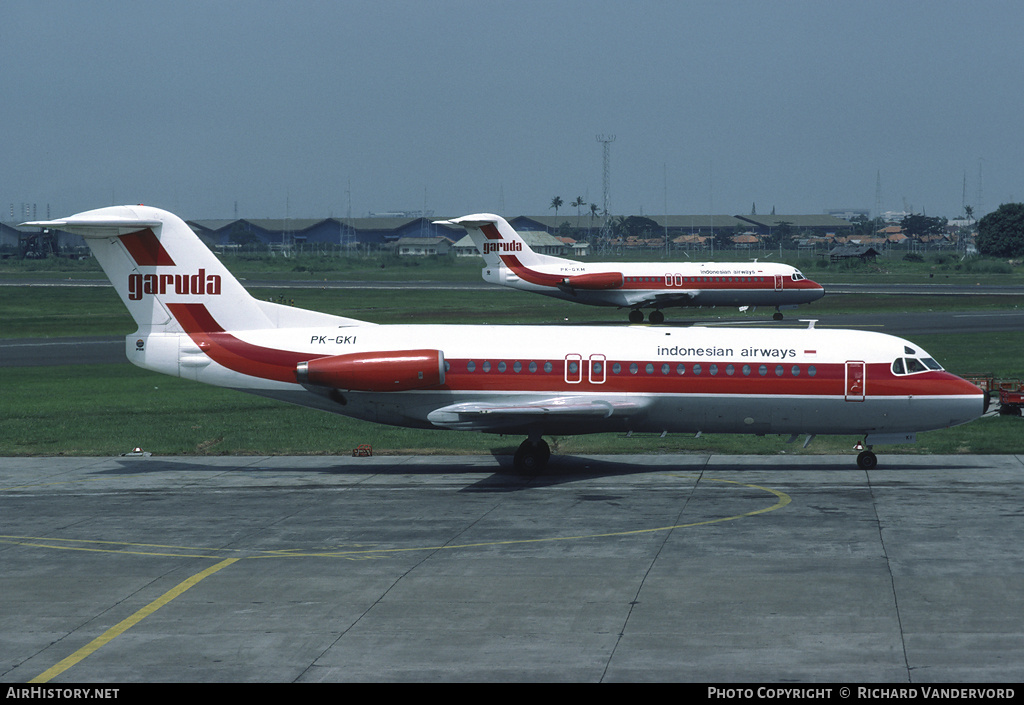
(913, 365)
(797, 276)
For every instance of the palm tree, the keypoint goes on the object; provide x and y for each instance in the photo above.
(576, 204)
(556, 203)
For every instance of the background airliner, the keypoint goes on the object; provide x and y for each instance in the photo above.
(197, 321)
(635, 285)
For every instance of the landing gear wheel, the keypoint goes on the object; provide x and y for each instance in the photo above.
(777, 315)
(867, 460)
(532, 457)
(636, 316)
(656, 317)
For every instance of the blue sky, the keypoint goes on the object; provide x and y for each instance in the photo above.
(309, 108)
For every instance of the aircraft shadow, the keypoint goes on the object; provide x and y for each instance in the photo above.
(502, 476)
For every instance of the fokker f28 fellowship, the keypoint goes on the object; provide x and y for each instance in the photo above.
(509, 261)
(197, 321)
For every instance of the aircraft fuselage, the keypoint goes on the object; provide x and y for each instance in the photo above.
(593, 379)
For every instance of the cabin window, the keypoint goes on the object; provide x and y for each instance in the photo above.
(796, 370)
(649, 369)
(746, 370)
(730, 370)
(696, 369)
(471, 366)
(487, 365)
(713, 370)
(665, 369)
(517, 366)
(680, 369)
(811, 370)
(548, 367)
(762, 370)
(533, 366)
(616, 368)
(633, 368)
(779, 371)
(501, 366)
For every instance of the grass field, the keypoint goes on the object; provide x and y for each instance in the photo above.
(109, 409)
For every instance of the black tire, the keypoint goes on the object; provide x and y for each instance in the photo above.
(867, 460)
(531, 457)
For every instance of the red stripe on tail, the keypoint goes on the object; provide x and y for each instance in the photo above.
(146, 250)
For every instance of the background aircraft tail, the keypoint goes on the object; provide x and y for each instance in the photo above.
(495, 238)
(169, 280)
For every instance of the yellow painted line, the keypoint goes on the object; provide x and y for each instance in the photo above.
(782, 499)
(375, 551)
(126, 624)
(104, 547)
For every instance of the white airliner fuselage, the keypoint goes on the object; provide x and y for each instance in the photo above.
(509, 261)
(196, 321)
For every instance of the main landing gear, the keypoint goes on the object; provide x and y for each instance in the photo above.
(637, 316)
(532, 455)
(777, 316)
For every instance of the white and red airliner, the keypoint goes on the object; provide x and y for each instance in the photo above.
(509, 261)
(197, 321)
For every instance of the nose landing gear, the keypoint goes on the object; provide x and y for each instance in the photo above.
(866, 459)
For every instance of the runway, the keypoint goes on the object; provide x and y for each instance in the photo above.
(693, 568)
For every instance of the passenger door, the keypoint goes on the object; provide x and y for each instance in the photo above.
(855, 380)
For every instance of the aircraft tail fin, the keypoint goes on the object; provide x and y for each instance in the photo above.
(168, 279)
(497, 240)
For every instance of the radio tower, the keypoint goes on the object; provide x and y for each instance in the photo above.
(606, 140)
(978, 208)
(878, 201)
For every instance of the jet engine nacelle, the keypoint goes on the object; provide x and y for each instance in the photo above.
(385, 371)
(596, 280)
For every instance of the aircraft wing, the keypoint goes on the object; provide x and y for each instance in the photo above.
(491, 415)
(674, 298)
